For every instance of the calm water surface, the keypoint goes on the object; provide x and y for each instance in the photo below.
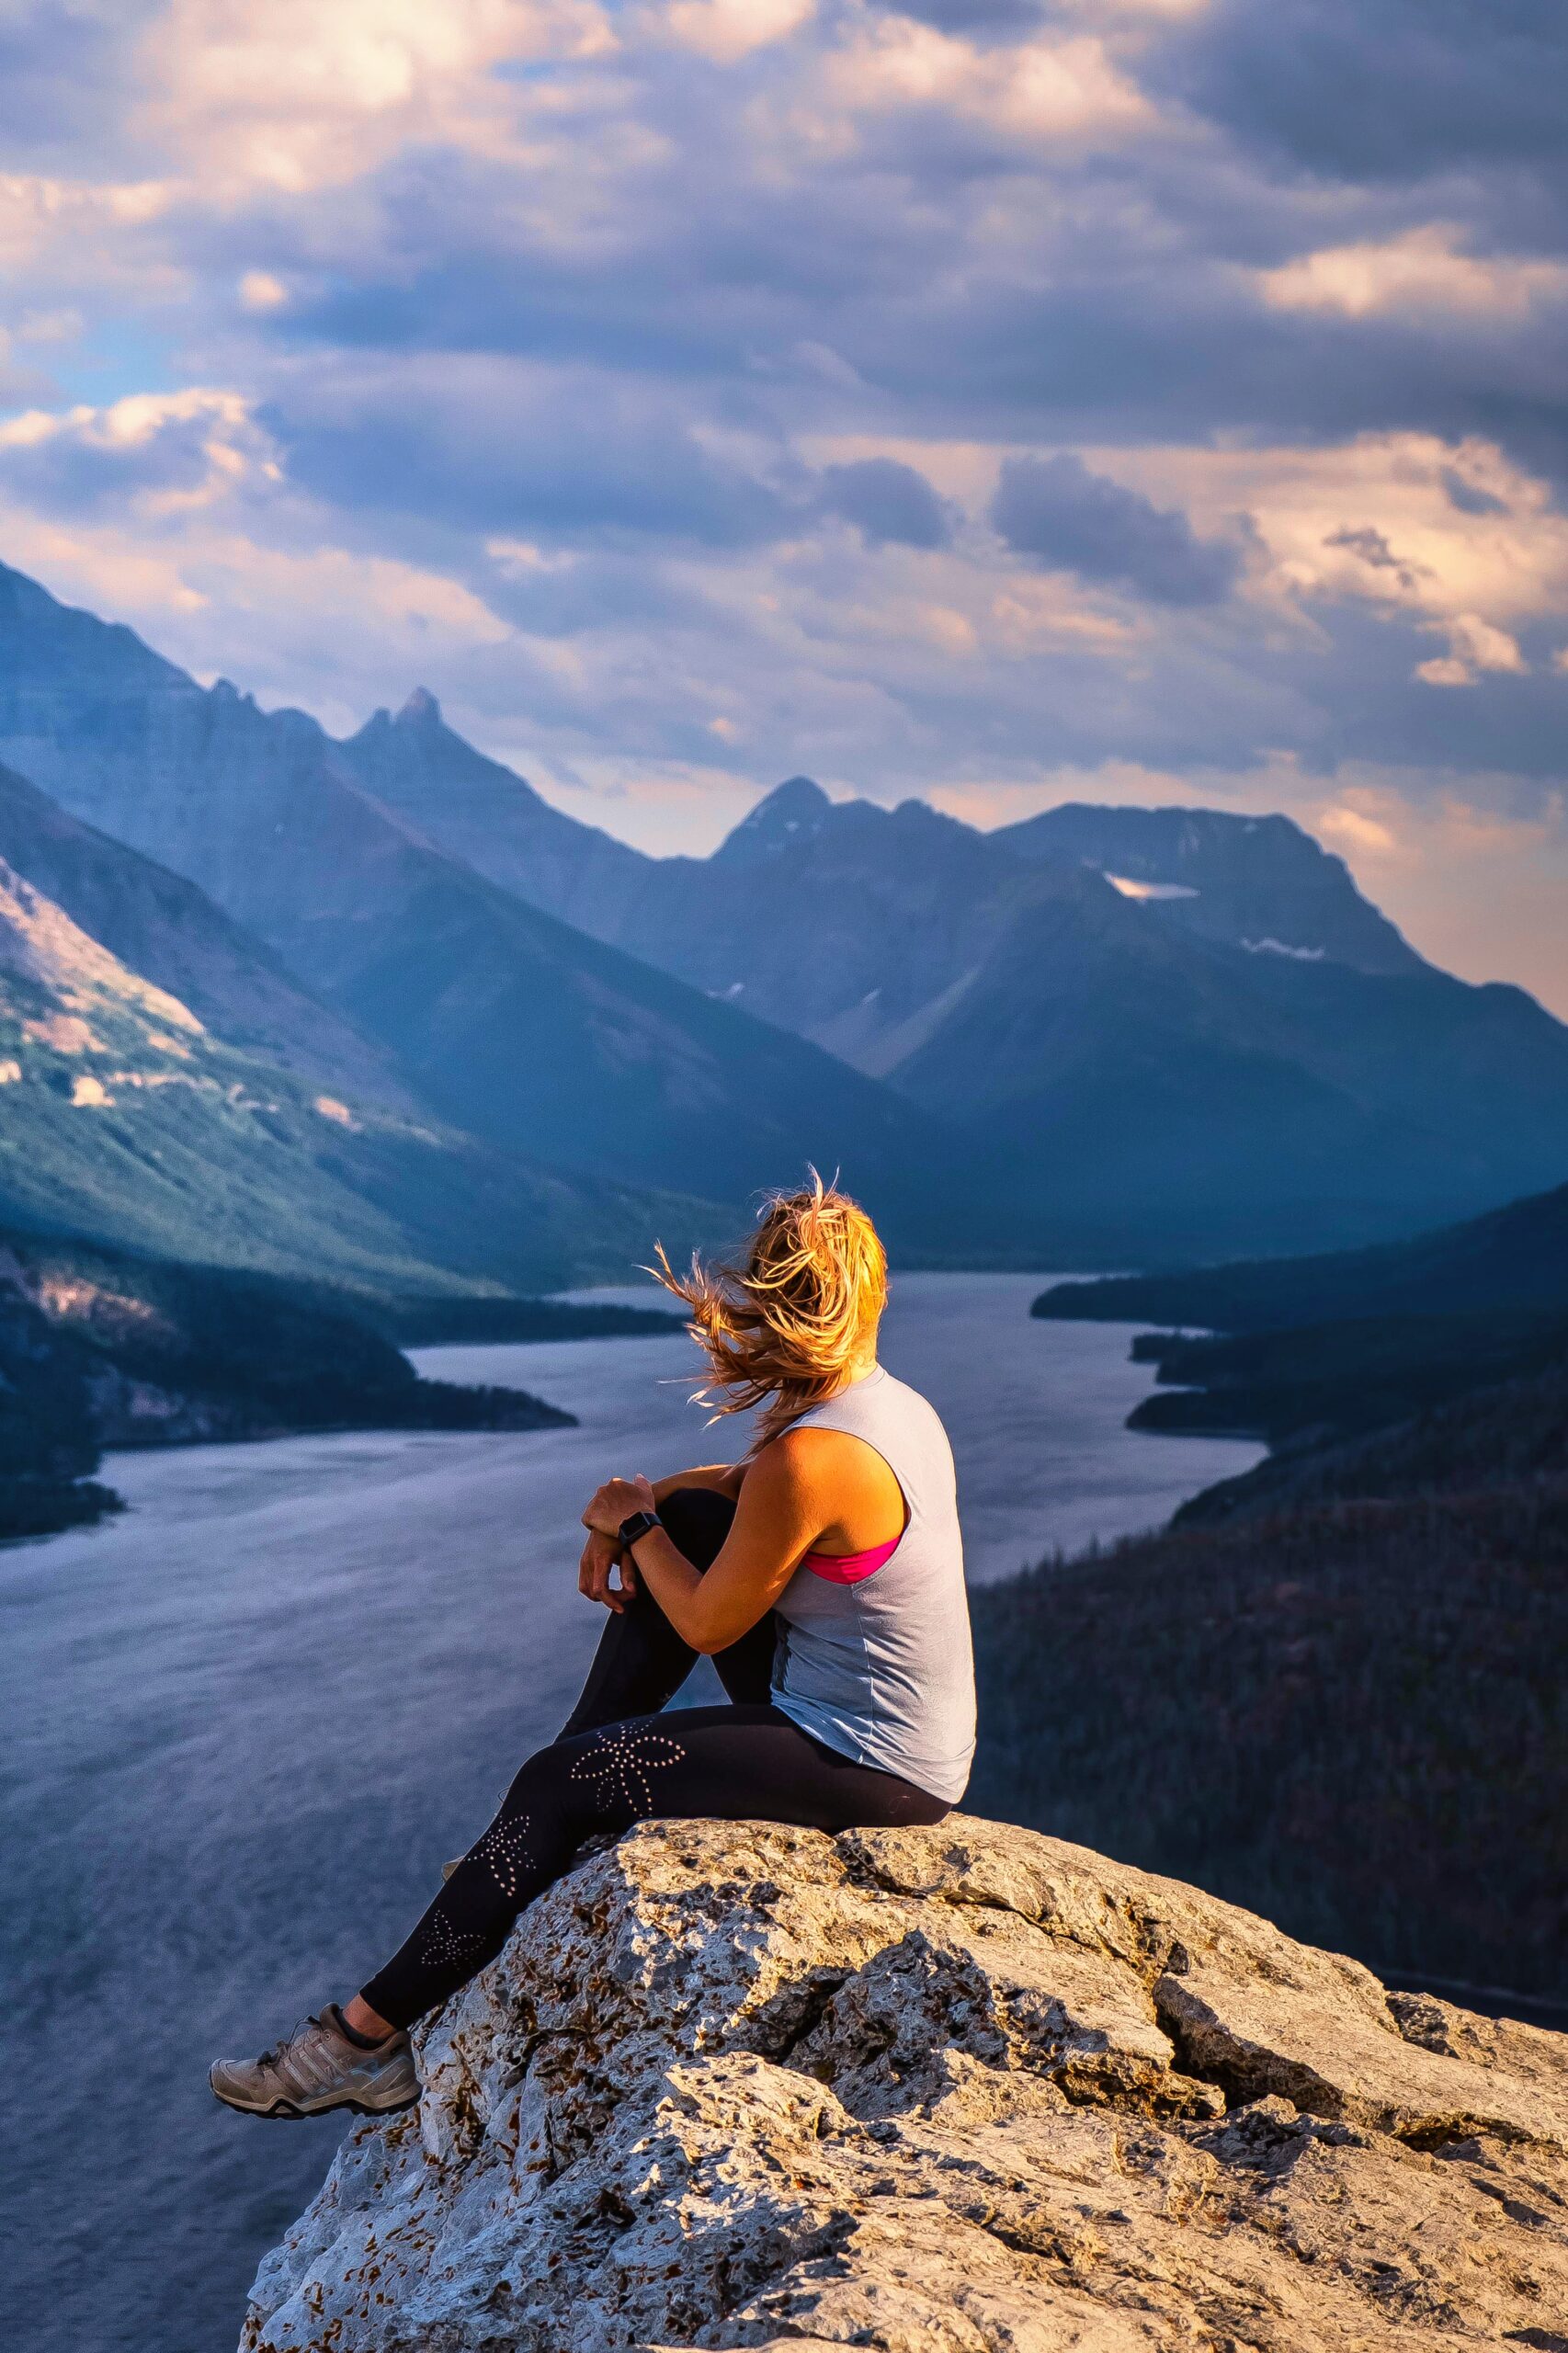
(245, 1724)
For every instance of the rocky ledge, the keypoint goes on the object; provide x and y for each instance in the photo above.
(963, 2090)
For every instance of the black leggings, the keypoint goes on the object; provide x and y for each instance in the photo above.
(619, 1761)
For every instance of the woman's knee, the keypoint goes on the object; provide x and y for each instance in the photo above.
(697, 1519)
(539, 1779)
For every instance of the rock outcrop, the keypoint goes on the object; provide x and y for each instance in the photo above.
(961, 2090)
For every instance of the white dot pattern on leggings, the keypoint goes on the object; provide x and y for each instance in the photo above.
(621, 1763)
(505, 1849)
(443, 1947)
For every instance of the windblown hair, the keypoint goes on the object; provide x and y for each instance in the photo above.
(786, 1323)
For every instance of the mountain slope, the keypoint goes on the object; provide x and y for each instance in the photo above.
(170, 933)
(542, 1041)
(1175, 1032)
(486, 815)
(1110, 1034)
(1350, 1714)
(124, 1117)
(531, 1036)
(1253, 883)
(1514, 1260)
(1154, 1084)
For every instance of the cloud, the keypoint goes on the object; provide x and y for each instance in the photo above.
(260, 291)
(1051, 87)
(1055, 509)
(63, 73)
(1474, 646)
(500, 446)
(290, 96)
(681, 385)
(1390, 89)
(971, 19)
(727, 29)
(1421, 270)
(1355, 831)
(156, 452)
(887, 501)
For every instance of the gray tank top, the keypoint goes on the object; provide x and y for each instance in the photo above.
(882, 1669)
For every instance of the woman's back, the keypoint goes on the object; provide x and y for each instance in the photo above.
(879, 1666)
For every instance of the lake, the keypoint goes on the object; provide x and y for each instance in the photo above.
(247, 1721)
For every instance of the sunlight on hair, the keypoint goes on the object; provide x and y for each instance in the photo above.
(790, 1322)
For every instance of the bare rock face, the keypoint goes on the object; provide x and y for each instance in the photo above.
(961, 2090)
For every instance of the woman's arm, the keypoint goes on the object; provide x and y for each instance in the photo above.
(781, 1511)
(724, 1478)
(602, 1554)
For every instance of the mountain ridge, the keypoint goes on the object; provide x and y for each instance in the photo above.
(1511, 1259)
(1185, 1024)
(1097, 1034)
(512, 1025)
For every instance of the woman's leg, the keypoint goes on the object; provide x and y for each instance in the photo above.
(642, 1662)
(730, 1763)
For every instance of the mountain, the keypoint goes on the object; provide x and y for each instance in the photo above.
(1319, 1383)
(1225, 1040)
(511, 1024)
(1488, 1436)
(1514, 1260)
(1216, 1100)
(484, 814)
(897, 906)
(123, 1116)
(1100, 1035)
(1167, 1032)
(170, 933)
(1258, 883)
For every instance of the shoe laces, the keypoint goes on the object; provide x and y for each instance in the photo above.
(270, 2058)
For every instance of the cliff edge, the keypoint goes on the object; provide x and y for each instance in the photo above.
(961, 2090)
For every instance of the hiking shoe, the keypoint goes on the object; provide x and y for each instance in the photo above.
(317, 2068)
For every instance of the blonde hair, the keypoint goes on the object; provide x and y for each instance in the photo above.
(789, 1320)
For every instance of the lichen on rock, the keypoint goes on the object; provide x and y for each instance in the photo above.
(957, 2090)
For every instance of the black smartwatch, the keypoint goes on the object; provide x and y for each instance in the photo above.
(637, 1525)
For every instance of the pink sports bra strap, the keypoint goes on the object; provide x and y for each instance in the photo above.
(850, 1568)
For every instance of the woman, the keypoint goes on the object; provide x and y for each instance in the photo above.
(824, 1576)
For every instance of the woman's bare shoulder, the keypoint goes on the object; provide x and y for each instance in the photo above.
(814, 1459)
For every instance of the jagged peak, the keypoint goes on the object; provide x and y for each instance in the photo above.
(421, 709)
(793, 809)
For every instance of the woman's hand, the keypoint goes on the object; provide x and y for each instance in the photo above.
(616, 1501)
(600, 1555)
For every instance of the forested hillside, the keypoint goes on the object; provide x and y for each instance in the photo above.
(1343, 1707)
(104, 1349)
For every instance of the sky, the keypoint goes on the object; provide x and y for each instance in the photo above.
(997, 401)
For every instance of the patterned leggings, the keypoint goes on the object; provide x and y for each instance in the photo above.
(620, 1761)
